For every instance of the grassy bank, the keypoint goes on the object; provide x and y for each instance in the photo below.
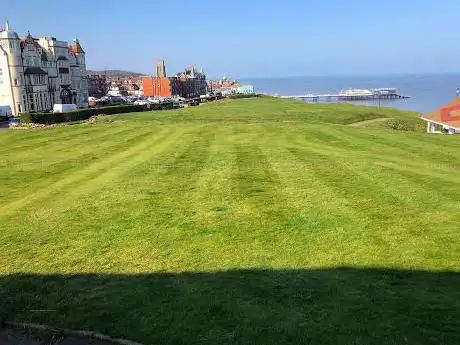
(239, 222)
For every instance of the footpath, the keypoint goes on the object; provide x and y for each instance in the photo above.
(368, 122)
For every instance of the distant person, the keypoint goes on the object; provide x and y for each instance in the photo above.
(458, 92)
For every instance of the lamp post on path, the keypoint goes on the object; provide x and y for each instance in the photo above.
(378, 96)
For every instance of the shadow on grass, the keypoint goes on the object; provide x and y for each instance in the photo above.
(324, 306)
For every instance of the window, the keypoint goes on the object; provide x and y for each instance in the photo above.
(31, 103)
(15, 81)
(19, 108)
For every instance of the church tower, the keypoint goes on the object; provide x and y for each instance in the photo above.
(80, 82)
(161, 69)
(79, 52)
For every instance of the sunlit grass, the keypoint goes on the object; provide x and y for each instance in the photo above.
(261, 185)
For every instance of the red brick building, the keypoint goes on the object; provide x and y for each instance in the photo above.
(187, 84)
(162, 86)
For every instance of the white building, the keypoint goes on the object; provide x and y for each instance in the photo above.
(245, 89)
(36, 73)
(114, 90)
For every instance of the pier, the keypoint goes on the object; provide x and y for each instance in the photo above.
(353, 95)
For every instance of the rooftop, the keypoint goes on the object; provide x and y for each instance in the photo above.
(448, 115)
(7, 33)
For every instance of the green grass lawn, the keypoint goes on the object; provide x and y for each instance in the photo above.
(252, 221)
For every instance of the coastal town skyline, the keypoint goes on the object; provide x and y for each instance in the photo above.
(255, 39)
(44, 74)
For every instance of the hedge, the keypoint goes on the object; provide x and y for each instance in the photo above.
(244, 95)
(80, 114)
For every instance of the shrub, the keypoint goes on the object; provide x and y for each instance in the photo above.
(409, 125)
(80, 114)
(244, 95)
(167, 105)
(102, 118)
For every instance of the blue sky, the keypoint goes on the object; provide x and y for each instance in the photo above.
(253, 38)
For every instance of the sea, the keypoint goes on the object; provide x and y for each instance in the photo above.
(426, 92)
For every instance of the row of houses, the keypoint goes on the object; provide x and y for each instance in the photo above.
(38, 72)
(187, 84)
(190, 83)
(227, 86)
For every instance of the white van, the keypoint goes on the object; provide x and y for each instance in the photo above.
(63, 108)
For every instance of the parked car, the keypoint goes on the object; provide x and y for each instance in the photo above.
(195, 101)
(62, 108)
(141, 102)
(153, 100)
(103, 99)
(117, 99)
(14, 122)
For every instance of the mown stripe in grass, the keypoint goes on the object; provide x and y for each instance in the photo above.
(175, 177)
(139, 145)
(346, 183)
(68, 149)
(91, 222)
(41, 138)
(157, 205)
(253, 180)
(42, 170)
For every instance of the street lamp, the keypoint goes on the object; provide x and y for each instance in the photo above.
(378, 93)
